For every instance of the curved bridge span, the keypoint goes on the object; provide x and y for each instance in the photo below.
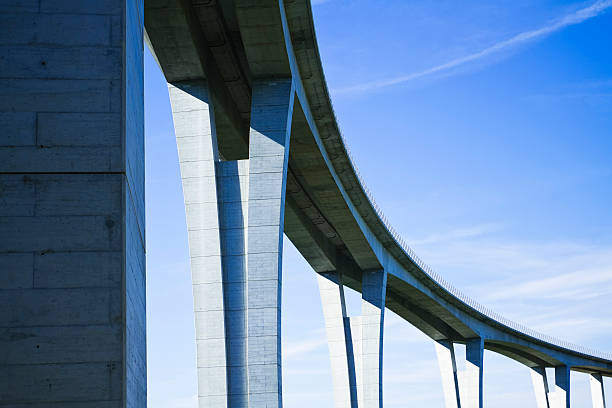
(261, 153)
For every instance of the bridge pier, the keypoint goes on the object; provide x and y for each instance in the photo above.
(72, 207)
(597, 391)
(235, 221)
(560, 398)
(462, 389)
(540, 386)
(545, 398)
(355, 343)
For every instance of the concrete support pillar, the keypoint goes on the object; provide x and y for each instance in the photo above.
(448, 370)
(235, 221)
(339, 341)
(540, 386)
(597, 391)
(373, 293)
(470, 381)
(560, 396)
(271, 115)
(72, 223)
(462, 389)
(355, 343)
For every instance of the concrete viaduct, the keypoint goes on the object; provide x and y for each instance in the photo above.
(260, 154)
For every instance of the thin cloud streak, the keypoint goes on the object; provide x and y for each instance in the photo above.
(574, 18)
(301, 348)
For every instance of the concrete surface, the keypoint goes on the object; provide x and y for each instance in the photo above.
(72, 261)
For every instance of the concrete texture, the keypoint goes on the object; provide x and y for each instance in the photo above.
(355, 343)
(560, 398)
(72, 262)
(339, 341)
(540, 387)
(235, 218)
(461, 388)
(597, 391)
(271, 115)
(448, 372)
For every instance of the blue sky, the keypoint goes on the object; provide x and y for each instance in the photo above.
(484, 130)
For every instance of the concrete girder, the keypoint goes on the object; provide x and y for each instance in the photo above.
(180, 47)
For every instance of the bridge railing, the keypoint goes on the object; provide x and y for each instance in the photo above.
(437, 278)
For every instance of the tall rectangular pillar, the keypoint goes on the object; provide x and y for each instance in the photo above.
(462, 389)
(445, 351)
(597, 391)
(540, 386)
(235, 223)
(339, 341)
(560, 397)
(72, 244)
(355, 343)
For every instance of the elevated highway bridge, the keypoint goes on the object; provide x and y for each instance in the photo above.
(242, 54)
(261, 154)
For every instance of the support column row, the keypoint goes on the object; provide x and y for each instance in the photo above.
(560, 396)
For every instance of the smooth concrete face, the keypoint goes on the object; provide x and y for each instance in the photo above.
(196, 143)
(597, 391)
(235, 223)
(72, 261)
(355, 343)
(373, 292)
(269, 136)
(462, 389)
(540, 386)
(448, 373)
(339, 341)
(560, 398)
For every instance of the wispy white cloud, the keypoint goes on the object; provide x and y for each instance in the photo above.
(558, 288)
(574, 18)
(300, 348)
(585, 283)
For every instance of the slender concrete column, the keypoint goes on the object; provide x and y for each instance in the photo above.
(235, 222)
(462, 389)
(373, 292)
(355, 343)
(540, 386)
(560, 397)
(448, 370)
(473, 375)
(198, 158)
(72, 213)
(271, 115)
(597, 391)
(339, 341)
